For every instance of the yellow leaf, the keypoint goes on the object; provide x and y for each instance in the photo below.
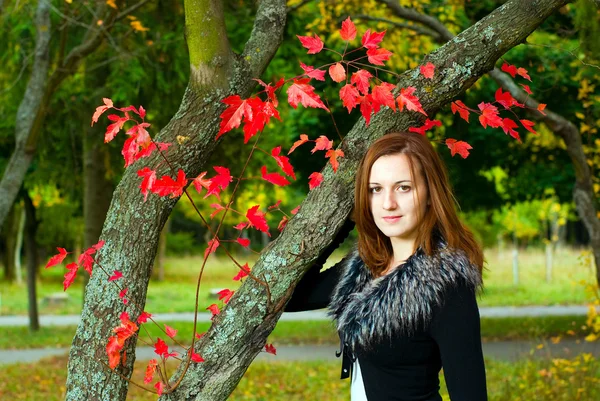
(591, 338)
(111, 3)
(137, 26)
(69, 1)
(540, 346)
(579, 115)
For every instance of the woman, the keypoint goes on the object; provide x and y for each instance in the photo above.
(404, 301)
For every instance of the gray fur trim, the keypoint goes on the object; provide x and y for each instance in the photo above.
(402, 302)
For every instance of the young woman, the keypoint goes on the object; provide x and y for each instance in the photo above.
(404, 301)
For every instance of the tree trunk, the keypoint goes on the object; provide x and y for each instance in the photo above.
(19, 243)
(131, 236)
(31, 254)
(159, 260)
(11, 228)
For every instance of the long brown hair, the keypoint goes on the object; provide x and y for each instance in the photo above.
(441, 218)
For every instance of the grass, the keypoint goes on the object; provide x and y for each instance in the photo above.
(177, 292)
(319, 380)
(309, 332)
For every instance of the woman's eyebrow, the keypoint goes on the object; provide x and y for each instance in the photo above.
(397, 182)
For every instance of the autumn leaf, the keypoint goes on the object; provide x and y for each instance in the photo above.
(240, 226)
(361, 79)
(541, 108)
(314, 180)
(337, 72)
(526, 89)
(310, 71)
(199, 182)
(149, 178)
(171, 332)
(113, 351)
(283, 162)
(143, 317)
(382, 96)
(509, 68)
(150, 369)
(462, 109)
(168, 186)
(123, 294)
(219, 182)
(160, 387)
(322, 143)
(213, 244)
(348, 31)
(314, 44)
(301, 92)
(232, 116)
(113, 129)
(350, 96)
(270, 349)
(371, 40)
(86, 261)
(225, 295)
(197, 358)
(273, 178)
(270, 90)
(295, 210)
(366, 107)
(245, 242)
(116, 275)
(57, 259)
(528, 126)
(303, 139)
(460, 147)
(333, 154)
(242, 273)
(523, 72)
(406, 98)
(508, 126)
(257, 219)
(160, 347)
(108, 104)
(429, 124)
(282, 223)
(70, 275)
(378, 56)
(505, 99)
(218, 207)
(489, 115)
(427, 70)
(137, 26)
(214, 309)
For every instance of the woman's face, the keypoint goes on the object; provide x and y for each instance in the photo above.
(397, 200)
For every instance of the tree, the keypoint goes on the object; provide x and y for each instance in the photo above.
(232, 343)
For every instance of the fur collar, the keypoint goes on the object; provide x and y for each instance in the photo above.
(402, 302)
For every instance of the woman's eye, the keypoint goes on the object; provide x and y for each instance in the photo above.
(375, 190)
(404, 188)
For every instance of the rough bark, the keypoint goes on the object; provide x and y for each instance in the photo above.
(132, 226)
(11, 229)
(240, 330)
(33, 261)
(583, 192)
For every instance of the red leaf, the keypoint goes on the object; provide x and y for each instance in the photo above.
(245, 242)
(526, 89)
(337, 72)
(366, 108)
(96, 247)
(409, 100)
(322, 143)
(348, 31)
(116, 275)
(427, 70)
(295, 210)
(372, 40)
(505, 99)
(310, 71)
(462, 109)
(219, 182)
(150, 369)
(303, 139)
(489, 115)
(301, 92)
(101, 109)
(283, 162)
(333, 154)
(271, 90)
(171, 332)
(143, 318)
(161, 348)
(528, 125)
(142, 112)
(541, 108)
(361, 79)
(460, 147)
(273, 178)
(217, 208)
(282, 223)
(122, 295)
(113, 349)
(197, 358)
(242, 273)
(523, 72)
(261, 114)
(508, 126)
(232, 116)
(113, 129)
(199, 336)
(70, 275)
(509, 68)
(257, 219)
(214, 309)
(313, 44)
(314, 180)
(159, 386)
(382, 96)
(213, 244)
(225, 295)
(378, 56)
(57, 259)
(167, 186)
(429, 124)
(350, 96)
(148, 180)
(199, 182)
(240, 226)
(269, 348)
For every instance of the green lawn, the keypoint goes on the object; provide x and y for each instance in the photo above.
(177, 292)
(555, 380)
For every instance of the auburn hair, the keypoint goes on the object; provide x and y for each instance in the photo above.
(440, 218)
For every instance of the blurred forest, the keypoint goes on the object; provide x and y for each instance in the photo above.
(509, 192)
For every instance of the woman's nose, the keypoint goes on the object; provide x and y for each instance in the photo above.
(389, 202)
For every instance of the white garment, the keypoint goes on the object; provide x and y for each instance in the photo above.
(357, 388)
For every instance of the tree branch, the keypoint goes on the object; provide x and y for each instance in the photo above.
(416, 28)
(409, 14)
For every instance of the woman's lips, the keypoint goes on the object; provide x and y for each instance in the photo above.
(392, 219)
